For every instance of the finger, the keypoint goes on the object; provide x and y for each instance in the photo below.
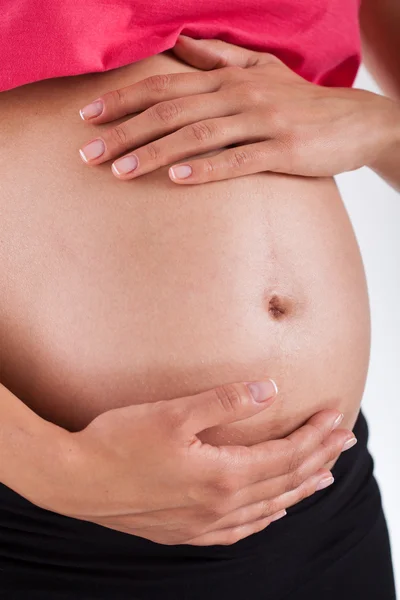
(155, 122)
(279, 457)
(145, 93)
(321, 480)
(214, 54)
(242, 516)
(198, 138)
(330, 449)
(268, 506)
(269, 155)
(184, 417)
(229, 536)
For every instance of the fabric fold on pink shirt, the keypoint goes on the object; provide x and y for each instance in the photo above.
(318, 39)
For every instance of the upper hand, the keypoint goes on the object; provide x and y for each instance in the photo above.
(275, 119)
(143, 469)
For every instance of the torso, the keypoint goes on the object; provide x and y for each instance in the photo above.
(115, 293)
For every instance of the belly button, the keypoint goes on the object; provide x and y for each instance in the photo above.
(279, 307)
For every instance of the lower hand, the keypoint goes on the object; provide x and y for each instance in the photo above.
(274, 119)
(144, 471)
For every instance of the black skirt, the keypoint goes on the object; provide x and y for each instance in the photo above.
(331, 546)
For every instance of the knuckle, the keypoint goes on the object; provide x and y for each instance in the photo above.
(276, 118)
(166, 112)
(332, 450)
(116, 97)
(208, 166)
(153, 151)
(296, 457)
(225, 486)
(202, 131)
(120, 97)
(316, 432)
(229, 397)
(304, 492)
(295, 480)
(293, 153)
(239, 159)
(158, 83)
(118, 135)
(268, 508)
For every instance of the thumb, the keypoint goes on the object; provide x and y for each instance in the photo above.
(213, 54)
(221, 405)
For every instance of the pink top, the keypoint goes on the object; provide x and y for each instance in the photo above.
(319, 39)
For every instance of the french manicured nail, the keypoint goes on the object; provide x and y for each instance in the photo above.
(180, 172)
(263, 390)
(125, 165)
(324, 483)
(337, 421)
(349, 444)
(92, 150)
(92, 110)
(278, 515)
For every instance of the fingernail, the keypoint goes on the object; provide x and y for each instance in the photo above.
(180, 172)
(324, 483)
(92, 150)
(263, 390)
(125, 165)
(337, 421)
(278, 515)
(92, 110)
(349, 444)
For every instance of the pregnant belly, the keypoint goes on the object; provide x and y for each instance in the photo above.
(115, 293)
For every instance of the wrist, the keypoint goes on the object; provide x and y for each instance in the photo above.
(36, 455)
(389, 154)
(53, 461)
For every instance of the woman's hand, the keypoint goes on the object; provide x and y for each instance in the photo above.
(274, 119)
(143, 470)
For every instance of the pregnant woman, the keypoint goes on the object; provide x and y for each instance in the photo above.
(199, 239)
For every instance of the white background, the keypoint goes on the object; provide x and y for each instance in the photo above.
(374, 209)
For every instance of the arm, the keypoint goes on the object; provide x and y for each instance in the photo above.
(380, 26)
(112, 473)
(33, 453)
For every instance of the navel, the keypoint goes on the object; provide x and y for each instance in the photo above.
(279, 306)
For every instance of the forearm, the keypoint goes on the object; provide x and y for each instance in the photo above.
(387, 164)
(34, 453)
(379, 22)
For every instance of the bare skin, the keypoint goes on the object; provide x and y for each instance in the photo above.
(180, 490)
(381, 51)
(29, 375)
(148, 275)
(241, 99)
